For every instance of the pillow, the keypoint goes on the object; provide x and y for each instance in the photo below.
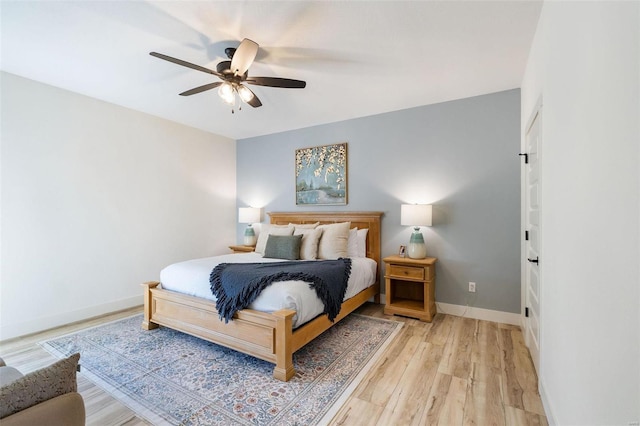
(310, 239)
(362, 243)
(305, 225)
(352, 243)
(283, 247)
(41, 385)
(271, 230)
(333, 242)
(8, 375)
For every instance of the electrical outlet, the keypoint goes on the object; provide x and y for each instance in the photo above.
(472, 287)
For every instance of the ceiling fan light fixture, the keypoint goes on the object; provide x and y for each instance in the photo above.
(245, 94)
(226, 93)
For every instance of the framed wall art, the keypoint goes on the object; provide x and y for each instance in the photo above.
(321, 175)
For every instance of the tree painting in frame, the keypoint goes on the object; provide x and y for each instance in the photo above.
(321, 175)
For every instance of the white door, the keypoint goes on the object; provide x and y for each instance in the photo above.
(532, 237)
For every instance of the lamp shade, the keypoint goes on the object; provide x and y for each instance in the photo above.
(248, 215)
(415, 214)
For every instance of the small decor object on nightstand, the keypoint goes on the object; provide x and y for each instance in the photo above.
(249, 215)
(416, 215)
(402, 251)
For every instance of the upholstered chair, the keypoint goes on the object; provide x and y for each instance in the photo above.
(48, 396)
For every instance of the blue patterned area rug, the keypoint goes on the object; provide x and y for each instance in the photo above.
(168, 377)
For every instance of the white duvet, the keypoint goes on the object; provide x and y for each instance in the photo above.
(192, 277)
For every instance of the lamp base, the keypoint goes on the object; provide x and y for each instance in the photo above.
(417, 249)
(249, 236)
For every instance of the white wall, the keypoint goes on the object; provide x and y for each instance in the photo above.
(96, 199)
(585, 64)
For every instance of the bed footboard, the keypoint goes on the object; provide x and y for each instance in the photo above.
(267, 336)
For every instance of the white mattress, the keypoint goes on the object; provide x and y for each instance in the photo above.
(192, 277)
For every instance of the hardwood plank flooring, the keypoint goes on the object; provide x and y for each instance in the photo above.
(452, 371)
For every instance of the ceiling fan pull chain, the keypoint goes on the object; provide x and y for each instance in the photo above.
(239, 102)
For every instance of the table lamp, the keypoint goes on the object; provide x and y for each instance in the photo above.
(416, 215)
(249, 215)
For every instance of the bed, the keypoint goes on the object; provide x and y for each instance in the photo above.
(270, 336)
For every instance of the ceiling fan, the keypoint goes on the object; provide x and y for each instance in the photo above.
(234, 75)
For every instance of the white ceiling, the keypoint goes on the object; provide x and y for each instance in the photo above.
(358, 57)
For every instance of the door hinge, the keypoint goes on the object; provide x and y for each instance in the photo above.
(526, 312)
(526, 158)
(526, 235)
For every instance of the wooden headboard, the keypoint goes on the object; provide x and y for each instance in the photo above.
(360, 220)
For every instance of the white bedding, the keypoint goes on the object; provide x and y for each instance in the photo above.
(192, 277)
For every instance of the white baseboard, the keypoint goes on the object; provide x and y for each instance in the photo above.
(551, 420)
(479, 313)
(10, 331)
(471, 312)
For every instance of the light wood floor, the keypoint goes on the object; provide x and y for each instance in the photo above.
(453, 371)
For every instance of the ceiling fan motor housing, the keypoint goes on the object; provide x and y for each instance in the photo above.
(229, 51)
(224, 68)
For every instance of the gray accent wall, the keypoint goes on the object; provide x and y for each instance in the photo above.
(460, 156)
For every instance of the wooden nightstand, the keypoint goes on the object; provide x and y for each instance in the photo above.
(242, 249)
(410, 287)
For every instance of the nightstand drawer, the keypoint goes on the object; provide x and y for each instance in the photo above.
(406, 272)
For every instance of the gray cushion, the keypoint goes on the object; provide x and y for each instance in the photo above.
(41, 385)
(8, 375)
(283, 247)
(267, 230)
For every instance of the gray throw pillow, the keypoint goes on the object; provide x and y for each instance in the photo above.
(41, 385)
(283, 247)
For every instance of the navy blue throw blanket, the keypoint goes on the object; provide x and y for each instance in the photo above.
(237, 285)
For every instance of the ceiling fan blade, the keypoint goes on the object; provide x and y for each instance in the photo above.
(244, 56)
(201, 89)
(184, 63)
(254, 102)
(277, 82)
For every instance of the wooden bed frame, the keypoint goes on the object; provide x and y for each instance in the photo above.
(268, 336)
